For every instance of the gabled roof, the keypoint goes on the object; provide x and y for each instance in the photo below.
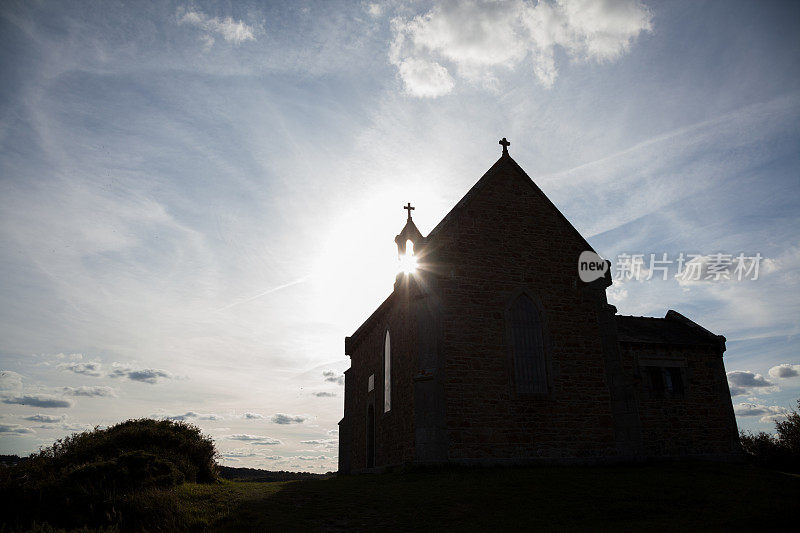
(504, 164)
(507, 163)
(673, 329)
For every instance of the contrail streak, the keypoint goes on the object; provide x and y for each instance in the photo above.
(264, 293)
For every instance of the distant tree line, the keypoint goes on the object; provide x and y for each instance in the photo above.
(266, 476)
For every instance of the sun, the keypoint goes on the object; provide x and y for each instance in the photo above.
(408, 261)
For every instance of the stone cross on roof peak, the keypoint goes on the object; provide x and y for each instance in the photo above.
(409, 209)
(505, 144)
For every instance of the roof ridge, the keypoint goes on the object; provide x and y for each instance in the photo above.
(505, 158)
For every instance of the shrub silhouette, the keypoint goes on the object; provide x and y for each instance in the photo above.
(776, 451)
(87, 478)
(789, 433)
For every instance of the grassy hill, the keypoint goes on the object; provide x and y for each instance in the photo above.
(150, 475)
(662, 497)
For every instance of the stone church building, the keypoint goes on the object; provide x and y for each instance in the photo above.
(493, 351)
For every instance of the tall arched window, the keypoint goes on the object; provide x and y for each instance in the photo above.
(387, 374)
(528, 347)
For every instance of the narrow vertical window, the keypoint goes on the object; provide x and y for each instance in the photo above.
(387, 374)
(674, 381)
(528, 346)
(656, 381)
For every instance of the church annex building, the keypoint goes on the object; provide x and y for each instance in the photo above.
(493, 351)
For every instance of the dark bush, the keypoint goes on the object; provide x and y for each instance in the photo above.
(90, 478)
(789, 433)
(776, 451)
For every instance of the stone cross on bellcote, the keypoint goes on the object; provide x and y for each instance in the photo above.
(409, 209)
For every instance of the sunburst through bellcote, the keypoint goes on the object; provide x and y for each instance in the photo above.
(408, 242)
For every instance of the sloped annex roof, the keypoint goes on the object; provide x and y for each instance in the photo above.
(673, 329)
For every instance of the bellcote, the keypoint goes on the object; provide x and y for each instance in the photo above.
(410, 232)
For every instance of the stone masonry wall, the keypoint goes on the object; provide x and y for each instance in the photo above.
(394, 430)
(509, 238)
(698, 422)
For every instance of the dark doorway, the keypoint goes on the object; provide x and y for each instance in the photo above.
(370, 436)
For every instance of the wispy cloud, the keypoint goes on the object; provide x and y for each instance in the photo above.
(263, 293)
(191, 415)
(10, 382)
(236, 454)
(15, 429)
(768, 413)
(333, 377)
(232, 31)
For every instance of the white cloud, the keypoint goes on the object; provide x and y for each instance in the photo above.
(478, 37)
(69, 356)
(239, 453)
(325, 443)
(253, 416)
(232, 31)
(255, 439)
(76, 427)
(145, 375)
(281, 418)
(191, 415)
(785, 371)
(47, 401)
(324, 394)
(427, 79)
(746, 382)
(91, 368)
(617, 292)
(768, 413)
(45, 419)
(92, 392)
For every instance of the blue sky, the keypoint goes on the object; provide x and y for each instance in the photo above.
(198, 200)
